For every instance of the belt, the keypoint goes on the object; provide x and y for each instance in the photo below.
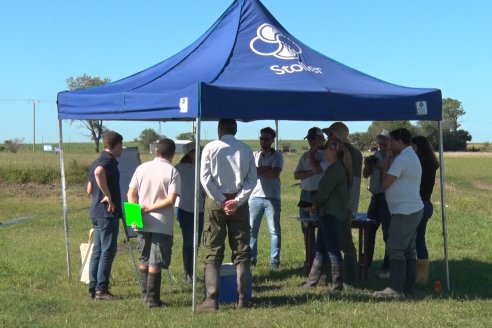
(311, 192)
(230, 195)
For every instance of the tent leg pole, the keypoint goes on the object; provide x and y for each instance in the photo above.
(443, 205)
(276, 131)
(64, 199)
(197, 208)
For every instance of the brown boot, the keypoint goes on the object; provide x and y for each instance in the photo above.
(422, 271)
(243, 277)
(212, 285)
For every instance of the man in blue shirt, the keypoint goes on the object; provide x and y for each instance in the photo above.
(105, 212)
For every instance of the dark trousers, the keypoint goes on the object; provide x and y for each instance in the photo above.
(186, 223)
(103, 251)
(422, 253)
(379, 212)
(328, 231)
(218, 225)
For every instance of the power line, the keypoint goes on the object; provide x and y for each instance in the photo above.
(28, 99)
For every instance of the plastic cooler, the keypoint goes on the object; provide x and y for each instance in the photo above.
(228, 284)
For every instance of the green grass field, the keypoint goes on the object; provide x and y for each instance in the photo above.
(35, 290)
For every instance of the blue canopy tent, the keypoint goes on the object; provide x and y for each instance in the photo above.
(248, 67)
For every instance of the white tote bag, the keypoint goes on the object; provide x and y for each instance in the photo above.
(85, 255)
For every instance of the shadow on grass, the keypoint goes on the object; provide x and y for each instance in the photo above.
(469, 279)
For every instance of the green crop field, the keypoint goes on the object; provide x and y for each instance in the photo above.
(36, 292)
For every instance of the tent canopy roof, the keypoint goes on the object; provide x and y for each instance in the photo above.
(248, 67)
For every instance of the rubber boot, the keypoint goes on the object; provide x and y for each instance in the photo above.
(410, 275)
(212, 286)
(154, 290)
(314, 275)
(188, 267)
(337, 279)
(243, 277)
(422, 272)
(144, 273)
(325, 278)
(350, 267)
(397, 281)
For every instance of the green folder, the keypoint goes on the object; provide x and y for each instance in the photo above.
(133, 214)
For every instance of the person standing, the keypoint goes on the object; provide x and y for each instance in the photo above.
(185, 211)
(228, 175)
(401, 183)
(378, 208)
(155, 185)
(331, 203)
(429, 164)
(309, 170)
(340, 131)
(265, 198)
(105, 214)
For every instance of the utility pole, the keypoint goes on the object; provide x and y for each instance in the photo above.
(34, 102)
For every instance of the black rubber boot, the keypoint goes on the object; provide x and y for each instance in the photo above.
(154, 290)
(410, 276)
(337, 278)
(143, 283)
(314, 275)
(350, 267)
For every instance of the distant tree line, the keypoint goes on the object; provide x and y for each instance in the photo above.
(454, 138)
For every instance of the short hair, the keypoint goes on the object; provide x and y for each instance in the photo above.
(228, 126)
(403, 135)
(111, 139)
(270, 131)
(165, 147)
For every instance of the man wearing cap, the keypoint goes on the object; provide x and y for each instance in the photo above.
(228, 175)
(401, 182)
(309, 170)
(340, 131)
(378, 208)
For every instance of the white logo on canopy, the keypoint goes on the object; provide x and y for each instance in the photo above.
(270, 42)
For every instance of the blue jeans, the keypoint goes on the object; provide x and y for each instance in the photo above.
(422, 253)
(186, 223)
(103, 251)
(328, 229)
(271, 208)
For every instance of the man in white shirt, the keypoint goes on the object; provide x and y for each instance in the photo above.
(265, 198)
(155, 185)
(228, 176)
(401, 183)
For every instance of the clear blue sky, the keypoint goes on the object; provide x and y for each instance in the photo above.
(444, 44)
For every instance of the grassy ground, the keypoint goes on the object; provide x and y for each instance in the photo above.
(35, 290)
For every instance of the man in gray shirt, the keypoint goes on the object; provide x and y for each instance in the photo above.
(265, 198)
(155, 185)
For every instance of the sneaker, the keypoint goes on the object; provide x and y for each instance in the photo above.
(275, 267)
(388, 293)
(92, 293)
(105, 295)
(384, 274)
(253, 262)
